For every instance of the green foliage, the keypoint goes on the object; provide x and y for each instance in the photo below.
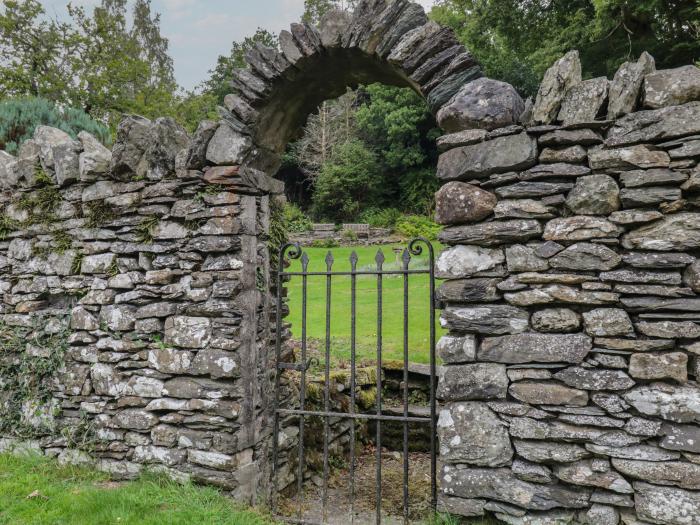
(8, 226)
(145, 229)
(219, 82)
(278, 231)
(29, 360)
(412, 226)
(71, 495)
(381, 217)
(349, 236)
(41, 203)
(98, 213)
(295, 220)
(347, 183)
(315, 9)
(417, 190)
(106, 62)
(393, 121)
(325, 243)
(20, 117)
(517, 41)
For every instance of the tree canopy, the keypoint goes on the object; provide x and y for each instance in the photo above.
(517, 40)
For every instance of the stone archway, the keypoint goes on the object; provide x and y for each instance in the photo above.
(391, 42)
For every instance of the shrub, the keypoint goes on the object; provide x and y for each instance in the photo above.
(325, 243)
(295, 219)
(381, 217)
(20, 117)
(418, 226)
(349, 236)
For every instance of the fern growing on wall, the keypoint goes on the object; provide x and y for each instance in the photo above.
(20, 117)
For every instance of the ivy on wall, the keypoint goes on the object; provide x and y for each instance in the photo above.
(30, 357)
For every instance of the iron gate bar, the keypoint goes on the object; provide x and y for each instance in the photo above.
(293, 251)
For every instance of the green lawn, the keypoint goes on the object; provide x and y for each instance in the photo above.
(366, 347)
(36, 491)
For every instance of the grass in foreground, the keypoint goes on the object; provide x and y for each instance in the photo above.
(393, 287)
(37, 491)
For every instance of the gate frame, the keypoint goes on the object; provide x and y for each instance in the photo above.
(294, 252)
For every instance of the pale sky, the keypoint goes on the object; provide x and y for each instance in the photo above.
(201, 30)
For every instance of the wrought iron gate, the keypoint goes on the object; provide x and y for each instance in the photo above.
(293, 252)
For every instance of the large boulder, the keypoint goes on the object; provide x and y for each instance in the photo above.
(562, 76)
(671, 87)
(459, 203)
(626, 85)
(472, 433)
(483, 104)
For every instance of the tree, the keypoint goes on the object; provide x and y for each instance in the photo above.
(315, 9)
(332, 125)
(348, 183)
(517, 40)
(95, 62)
(219, 82)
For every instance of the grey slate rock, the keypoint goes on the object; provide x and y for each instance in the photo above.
(655, 125)
(584, 101)
(457, 349)
(486, 319)
(469, 291)
(556, 320)
(559, 78)
(570, 137)
(594, 195)
(672, 365)
(594, 379)
(476, 381)
(546, 452)
(502, 485)
(651, 177)
(671, 87)
(580, 228)
(572, 154)
(556, 170)
(585, 256)
(667, 504)
(535, 348)
(675, 232)
(491, 233)
(197, 152)
(472, 433)
(633, 198)
(608, 322)
(523, 190)
(522, 209)
(681, 437)
(464, 261)
(548, 393)
(478, 161)
(459, 203)
(678, 403)
(658, 260)
(626, 85)
(441, 90)
(483, 104)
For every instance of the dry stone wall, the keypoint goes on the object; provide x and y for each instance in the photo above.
(570, 391)
(133, 319)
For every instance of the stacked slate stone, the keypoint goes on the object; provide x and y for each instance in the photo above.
(159, 273)
(571, 388)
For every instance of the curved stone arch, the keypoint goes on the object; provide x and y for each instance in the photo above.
(387, 41)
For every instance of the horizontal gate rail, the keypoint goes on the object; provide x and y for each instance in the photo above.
(294, 252)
